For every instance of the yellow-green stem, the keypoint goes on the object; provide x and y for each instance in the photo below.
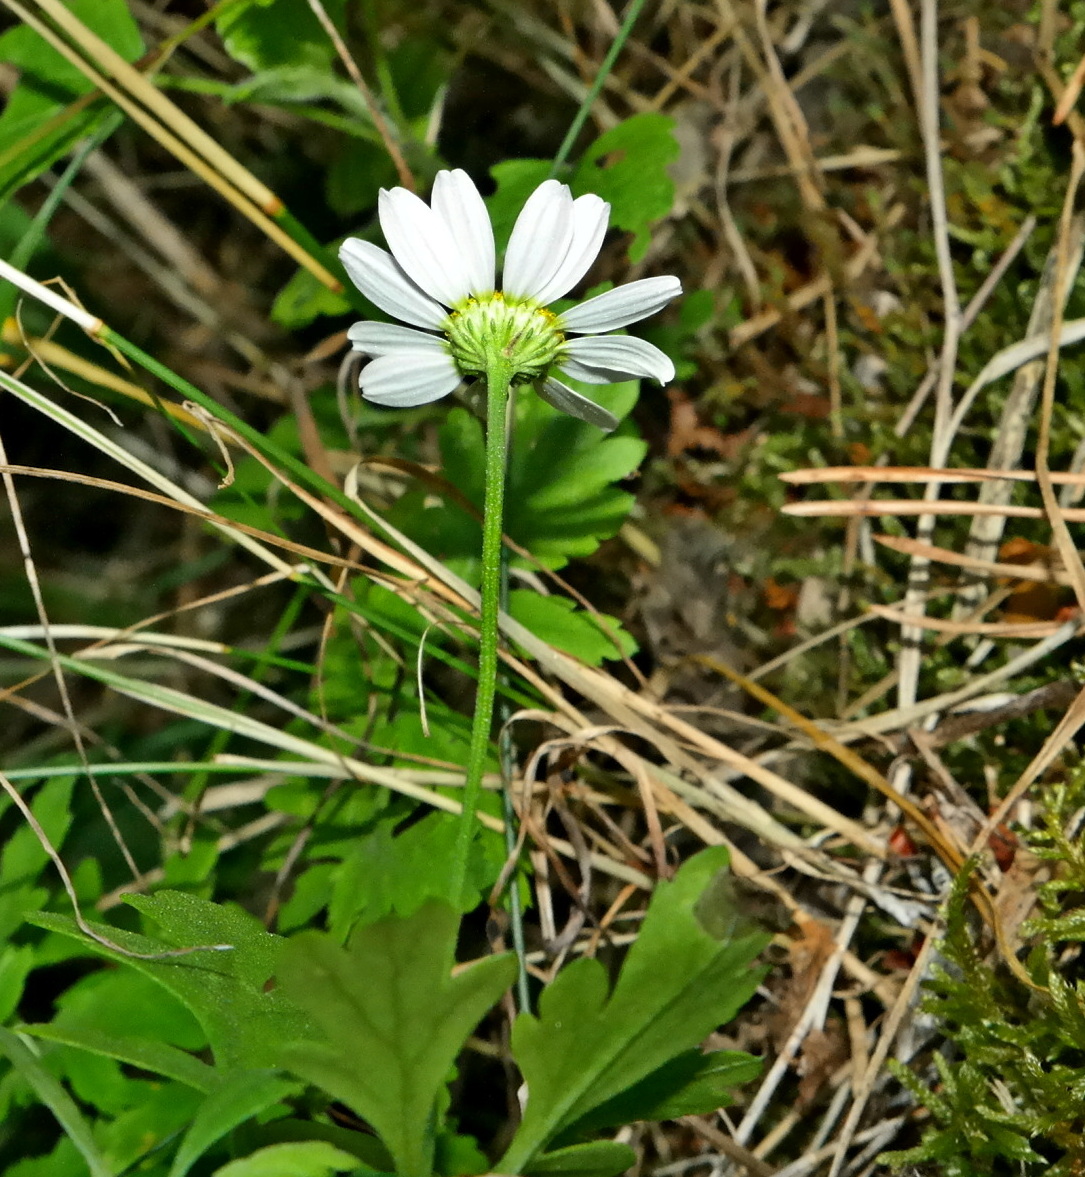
(498, 375)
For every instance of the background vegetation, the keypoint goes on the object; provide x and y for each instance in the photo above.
(236, 613)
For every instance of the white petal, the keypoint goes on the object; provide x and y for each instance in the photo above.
(623, 305)
(385, 339)
(406, 380)
(457, 202)
(540, 240)
(384, 283)
(561, 397)
(603, 359)
(423, 245)
(590, 216)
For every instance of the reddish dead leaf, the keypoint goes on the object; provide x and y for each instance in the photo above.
(868, 317)
(899, 959)
(780, 597)
(823, 1053)
(808, 951)
(1003, 845)
(1019, 550)
(810, 405)
(686, 431)
(859, 454)
(901, 843)
(1016, 898)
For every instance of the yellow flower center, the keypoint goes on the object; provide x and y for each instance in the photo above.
(523, 333)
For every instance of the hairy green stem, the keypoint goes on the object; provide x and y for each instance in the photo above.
(498, 375)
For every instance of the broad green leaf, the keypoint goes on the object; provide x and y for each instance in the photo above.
(367, 1150)
(236, 1097)
(304, 1158)
(627, 166)
(693, 1084)
(157, 1057)
(557, 620)
(678, 983)
(600, 1158)
(224, 990)
(35, 128)
(560, 497)
(390, 873)
(153, 1123)
(16, 961)
(56, 1099)
(23, 858)
(265, 34)
(304, 299)
(124, 1003)
(395, 1020)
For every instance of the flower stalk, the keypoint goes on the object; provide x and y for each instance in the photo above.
(498, 376)
(455, 321)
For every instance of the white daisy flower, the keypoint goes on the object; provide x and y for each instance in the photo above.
(440, 277)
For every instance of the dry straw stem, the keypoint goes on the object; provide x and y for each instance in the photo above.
(890, 1028)
(406, 179)
(195, 149)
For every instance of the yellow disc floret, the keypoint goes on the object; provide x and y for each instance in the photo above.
(525, 334)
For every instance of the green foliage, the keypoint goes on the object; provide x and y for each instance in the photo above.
(391, 1039)
(268, 34)
(589, 1045)
(36, 129)
(1015, 1092)
(224, 990)
(309, 1158)
(56, 1099)
(237, 1096)
(562, 501)
(627, 166)
(593, 638)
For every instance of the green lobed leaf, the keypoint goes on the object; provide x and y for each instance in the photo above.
(305, 298)
(390, 872)
(157, 1057)
(56, 1099)
(599, 1158)
(394, 1019)
(236, 1097)
(48, 83)
(593, 638)
(560, 497)
(265, 34)
(693, 1084)
(224, 990)
(305, 1158)
(628, 166)
(677, 984)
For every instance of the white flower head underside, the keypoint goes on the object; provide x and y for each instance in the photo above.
(440, 277)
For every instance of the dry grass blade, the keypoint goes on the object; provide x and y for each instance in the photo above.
(222, 173)
(1017, 572)
(919, 474)
(901, 1007)
(848, 508)
(994, 629)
